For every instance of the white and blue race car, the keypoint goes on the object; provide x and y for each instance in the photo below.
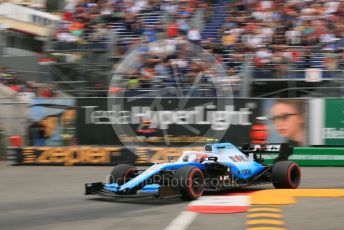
(219, 167)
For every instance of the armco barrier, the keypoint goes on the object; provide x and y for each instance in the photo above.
(95, 155)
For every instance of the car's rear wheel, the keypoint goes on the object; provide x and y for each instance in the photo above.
(122, 173)
(286, 174)
(191, 182)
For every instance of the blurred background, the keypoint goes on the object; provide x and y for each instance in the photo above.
(57, 55)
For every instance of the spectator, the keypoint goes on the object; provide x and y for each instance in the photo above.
(280, 60)
(133, 82)
(263, 57)
(228, 39)
(293, 37)
(150, 34)
(172, 29)
(194, 35)
(99, 33)
(183, 25)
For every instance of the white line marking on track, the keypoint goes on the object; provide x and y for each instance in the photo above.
(182, 221)
(241, 200)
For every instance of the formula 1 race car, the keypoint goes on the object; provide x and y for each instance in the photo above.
(219, 167)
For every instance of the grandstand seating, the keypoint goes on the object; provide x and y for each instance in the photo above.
(211, 30)
(279, 61)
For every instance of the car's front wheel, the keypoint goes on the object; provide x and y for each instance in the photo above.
(122, 173)
(191, 182)
(286, 174)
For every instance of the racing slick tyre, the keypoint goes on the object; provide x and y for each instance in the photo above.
(122, 173)
(286, 174)
(191, 182)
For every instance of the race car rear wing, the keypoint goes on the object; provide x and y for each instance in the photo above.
(284, 150)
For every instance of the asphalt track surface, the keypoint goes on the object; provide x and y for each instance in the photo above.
(51, 198)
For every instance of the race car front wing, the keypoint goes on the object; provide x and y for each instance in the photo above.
(111, 190)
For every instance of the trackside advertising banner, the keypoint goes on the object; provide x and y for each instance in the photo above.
(327, 122)
(93, 155)
(165, 123)
(168, 122)
(52, 121)
(334, 122)
(71, 156)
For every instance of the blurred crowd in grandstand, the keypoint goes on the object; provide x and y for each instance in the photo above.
(281, 33)
(278, 35)
(279, 38)
(90, 24)
(93, 21)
